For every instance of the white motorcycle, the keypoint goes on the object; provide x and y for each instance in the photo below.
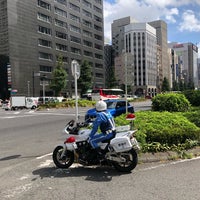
(119, 151)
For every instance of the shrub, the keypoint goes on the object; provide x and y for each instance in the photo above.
(193, 116)
(193, 96)
(162, 127)
(171, 102)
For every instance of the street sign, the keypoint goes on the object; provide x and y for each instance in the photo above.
(75, 67)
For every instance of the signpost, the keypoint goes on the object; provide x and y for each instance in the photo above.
(75, 67)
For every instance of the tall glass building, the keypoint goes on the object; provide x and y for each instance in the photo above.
(34, 33)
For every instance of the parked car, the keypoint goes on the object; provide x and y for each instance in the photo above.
(115, 106)
(5, 105)
(47, 100)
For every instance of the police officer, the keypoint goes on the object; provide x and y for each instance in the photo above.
(105, 122)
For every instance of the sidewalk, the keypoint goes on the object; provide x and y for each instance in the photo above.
(163, 156)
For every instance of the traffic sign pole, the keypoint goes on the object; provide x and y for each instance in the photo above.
(76, 73)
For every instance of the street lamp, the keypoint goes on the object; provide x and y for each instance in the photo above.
(34, 74)
(125, 67)
(28, 87)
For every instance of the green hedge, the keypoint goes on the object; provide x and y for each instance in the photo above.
(172, 102)
(162, 127)
(193, 96)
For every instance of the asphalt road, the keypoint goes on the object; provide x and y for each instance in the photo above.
(27, 140)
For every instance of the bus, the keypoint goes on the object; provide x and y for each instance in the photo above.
(104, 94)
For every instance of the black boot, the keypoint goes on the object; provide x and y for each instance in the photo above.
(100, 153)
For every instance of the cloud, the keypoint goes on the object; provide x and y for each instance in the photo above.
(150, 10)
(189, 22)
(123, 8)
(170, 15)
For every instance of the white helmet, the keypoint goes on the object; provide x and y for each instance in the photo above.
(101, 106)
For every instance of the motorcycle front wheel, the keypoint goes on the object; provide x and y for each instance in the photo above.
(64, 162)
(130, 163)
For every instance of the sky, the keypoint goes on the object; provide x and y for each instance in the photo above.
(182, 16)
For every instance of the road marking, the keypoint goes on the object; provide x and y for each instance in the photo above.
(24, 177)
(18, 116)
(43, 156)
(45, 163)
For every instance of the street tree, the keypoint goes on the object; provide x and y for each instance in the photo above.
(85, 79)
(165, 85)
(59, 77)
(111, 81)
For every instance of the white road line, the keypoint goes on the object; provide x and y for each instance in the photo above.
(45, 163)
(43, 156)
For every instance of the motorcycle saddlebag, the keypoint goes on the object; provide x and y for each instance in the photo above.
(121, 144)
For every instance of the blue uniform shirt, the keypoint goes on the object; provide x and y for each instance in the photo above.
(105, 121)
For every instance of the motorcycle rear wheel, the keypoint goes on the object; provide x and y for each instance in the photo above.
(131, 161)
(65, 162)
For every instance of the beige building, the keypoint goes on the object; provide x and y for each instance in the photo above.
(147, 42)
(139, 61)
(161, 34)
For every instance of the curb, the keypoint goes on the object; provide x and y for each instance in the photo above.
(170, 155)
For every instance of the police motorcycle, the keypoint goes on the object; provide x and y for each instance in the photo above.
(119, 151)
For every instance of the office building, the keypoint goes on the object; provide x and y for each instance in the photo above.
(141, 58)
(117, 29)
(160, 58)
(34, 33)
(161, 34)
(187, 61)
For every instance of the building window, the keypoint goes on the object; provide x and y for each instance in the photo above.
(44, 43)
(86, 13)
(97, 9)
(98, 46)
(98, 37)
(98, 75)
(45, 56)
(75, 29)
(98, 56)
(98, 19)
(60, 23)
(75, 39)
(61, 35)
(87, 23)
(87, 33)
(87, 43)
(74, 18)
(44, 30)
(64, 59)
(88, 53)
(99, 1)
(43, 4)
(75, 50)
(64, 2)
(86, 3)
(44, 68)
(60, 12)
(61, 47)
(44, 17)
(97, 65)
(98, 28)
(74, 7)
